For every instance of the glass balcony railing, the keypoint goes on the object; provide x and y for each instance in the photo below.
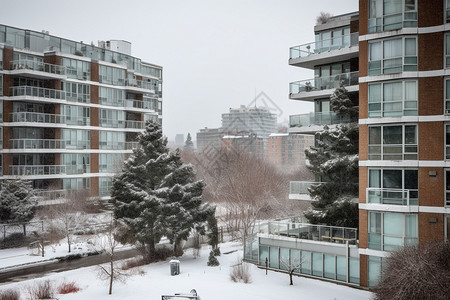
(134, 124)
(24, 64)
(78, 169)
(324, 83)
(322, 233)
(45, 195)
(24, 170)
(301, 187)
(141, 104)
(37, 117)
(392, 196)
(118, 145)
(37, 92)
(140, 84)
(344, 41)
(37, 144)
(122, 124)
(317, 119)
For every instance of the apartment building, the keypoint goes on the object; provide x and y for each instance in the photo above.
(71, 111)
(404, 127)
(288, 150)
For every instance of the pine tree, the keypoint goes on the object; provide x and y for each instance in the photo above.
(156, 195)
(188, 145)
(17, 201)
(334, 162)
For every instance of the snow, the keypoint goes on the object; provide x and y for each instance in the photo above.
(210, 282)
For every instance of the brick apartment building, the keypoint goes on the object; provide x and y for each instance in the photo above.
(70, 112)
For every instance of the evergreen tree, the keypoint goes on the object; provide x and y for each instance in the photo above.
(334, 162)
(17, 201)
(188, 145)
(155, 195)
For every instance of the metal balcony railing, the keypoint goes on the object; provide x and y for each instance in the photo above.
(37, 144)
(301, 187)
(26, 64)
(344, 41)
(37, 117)
(24, 170)
(37, 92)
(324, 83)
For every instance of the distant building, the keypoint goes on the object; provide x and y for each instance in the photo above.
(258, 120)
(179, 140)
(209, 137)
(288, 150)
(246, 143)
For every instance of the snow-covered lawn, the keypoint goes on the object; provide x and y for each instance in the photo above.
(210, 282)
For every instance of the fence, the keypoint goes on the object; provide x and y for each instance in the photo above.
(9, 232)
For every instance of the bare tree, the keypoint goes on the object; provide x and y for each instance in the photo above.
(108, 244)
(291, 266)
(323, 18)
(416, 272)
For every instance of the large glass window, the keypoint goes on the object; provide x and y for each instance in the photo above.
(354, 270)
(76, 163)
(263, 255)
(112, 140)
(447, 11)
(77, 92)
(112, 97)
(317, 264)
(393, 56)
(392, 14)
(76, 183)
(105, 184)
(391, 99)
(333, 39)
(390, 231)
(447, 187)
(398, 142)
(396, 187)
(273, 257)
(77, 69)
(1, 61)
(76, 139)
(112, 118)
(110, 163)
(306, 262)
(76, 115)
(111, 75)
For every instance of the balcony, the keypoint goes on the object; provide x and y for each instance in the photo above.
(37, 144)
(140, 84)
(298, 190)
(29, 170)
(31, 68)
(321, 87)
(37, 92)
(314, 121)
(325, 51)
(122, 124)
(32, 117)
(391, 196)
(134, 105)
(118, 145)
(320, 233)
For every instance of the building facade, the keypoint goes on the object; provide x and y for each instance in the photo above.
(288, 150)
(404, 126)
(71, 111)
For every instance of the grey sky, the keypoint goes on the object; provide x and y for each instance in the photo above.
(215, 54)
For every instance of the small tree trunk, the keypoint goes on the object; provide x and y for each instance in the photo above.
(111, 275)
(290, 277)
(68, 241)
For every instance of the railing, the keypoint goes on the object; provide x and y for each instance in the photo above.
(391, 196)
(78, 120)
(322, 233)
(37, 117)
(37, 66)
(77, 144)
(37, 144)
(142, 104)
(134, 124)
(51, 194)
(37, 92)
(140, 84)
(301, 187)
(78, 169)
(118, 145)
(324, 118)
(20, 170)
(112, 123)
(324, 83)
(317, 47)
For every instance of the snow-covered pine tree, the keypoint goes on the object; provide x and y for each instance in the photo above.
(189, 145)
(182, 206)
(17, 201)
(156, 195)
(334, 162)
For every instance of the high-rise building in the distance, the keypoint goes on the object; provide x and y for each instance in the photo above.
(71, 111)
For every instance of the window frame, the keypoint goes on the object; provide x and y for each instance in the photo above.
(383, 59)
(382, 112)
(380, 20)
(383, 145)
(446, 191)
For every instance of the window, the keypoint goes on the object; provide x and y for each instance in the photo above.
(447, 141)
(273, 257)
(76, 115)
(112, 140)
(393, 56)
(1, 62)
(111, 75)
(77, 69)
(391, 99)
(105, 184)
(393, 142)
(392, 14)
(76, 163)
(112, 118)
(447, 228)
(396, 187)
(77, 92)
(76, 183)
(390, 231)
(110, 163)
(447, 187)
(112, 97)
(76, 139)
(354, 270)
(331, 40)
(374, 267)
(317, 264)
(447, 11)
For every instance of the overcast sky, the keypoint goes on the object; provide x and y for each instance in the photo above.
(215, 54)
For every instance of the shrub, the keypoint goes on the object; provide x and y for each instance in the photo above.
(41, 290)
(67, 287)
(416, 272)
(9, 295)
(132, 263)
(212, 260)
(216, 251)
(240, 272)
(15, 240)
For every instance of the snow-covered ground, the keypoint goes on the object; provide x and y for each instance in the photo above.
(210, 282)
